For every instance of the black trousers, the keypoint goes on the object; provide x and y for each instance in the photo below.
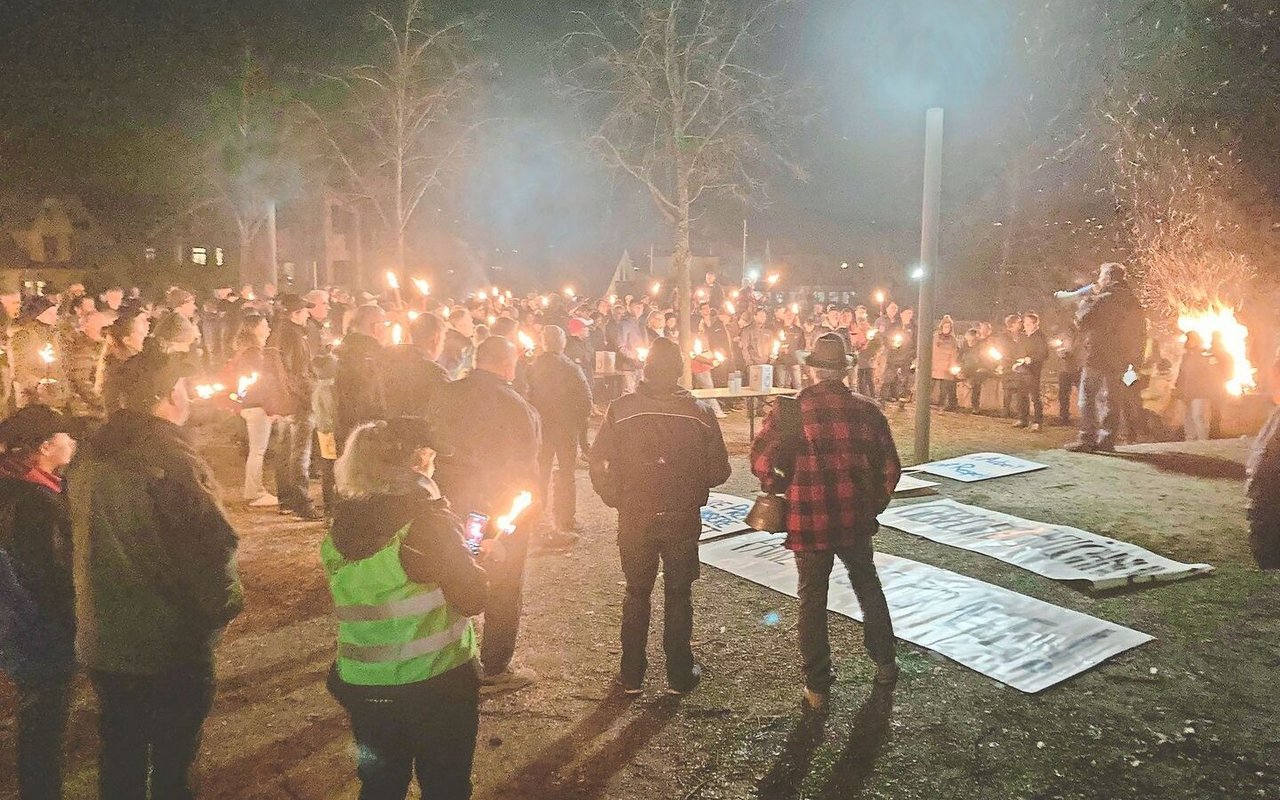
(42, 723)
(815, 580)
(1264, 538)
(506, 601)
(561, 449)
(866, 378)
(151, 724)
(1066, 382)
(644, 540)
(975, 393)
(293, 462)
(426, 729)
(1029, 396)
(946, 393)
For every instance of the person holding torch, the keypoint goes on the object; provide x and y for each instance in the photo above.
(39, 375)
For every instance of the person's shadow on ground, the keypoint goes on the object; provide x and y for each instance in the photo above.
(546, 775)
(856, 762)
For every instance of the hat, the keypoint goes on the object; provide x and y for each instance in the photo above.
(829, 353)
(30, 427)
(404, 435)
(575, 327)
(292, 303)
(151, 375)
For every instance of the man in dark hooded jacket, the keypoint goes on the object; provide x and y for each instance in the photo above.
(155, 578)
(559, 392)
(358, 386)
(657, 456)
(1114, 331)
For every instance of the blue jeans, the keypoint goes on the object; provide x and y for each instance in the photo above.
(1100, 400)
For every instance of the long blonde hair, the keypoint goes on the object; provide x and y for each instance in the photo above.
(372, 465)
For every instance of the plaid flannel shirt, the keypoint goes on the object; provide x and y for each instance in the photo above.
(845, 471)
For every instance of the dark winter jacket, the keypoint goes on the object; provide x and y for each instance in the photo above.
(1112, 327)
(37, 599)
(433, 552)
(658, 450)
(1197, 378)
(560, 393)
(411, 382)
(1262, 486)
(84, 355)
(581, 352)
(1035, 349)
(290, 339)
(358, 386)
(494, 434)
(154, 552)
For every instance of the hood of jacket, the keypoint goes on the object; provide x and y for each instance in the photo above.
(362, 527)
(141, 441)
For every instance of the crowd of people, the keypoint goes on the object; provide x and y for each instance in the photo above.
(445, 439)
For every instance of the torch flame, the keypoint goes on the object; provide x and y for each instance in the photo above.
(243, 384)
(871, 333)
(719, 358)
(397, 333)
(697, 348)
(655, 288)
(507, 522)
(730, 307)
(482, 296)
(773, 279)
(392, 280)
(423, 287)
(526, 341)
(879, 298)
(46, 353)
(777, 346)
(1233, 335)
(413, 315)
(568, 292)
(642, 353)
(995, 354)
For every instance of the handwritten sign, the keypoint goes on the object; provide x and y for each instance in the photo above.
(1054, 551)
(724, 514)
(1018, 640)
(980, 467)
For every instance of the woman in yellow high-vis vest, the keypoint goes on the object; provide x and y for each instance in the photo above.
(404, 587)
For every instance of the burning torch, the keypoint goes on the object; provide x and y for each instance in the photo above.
(527, 342)
(422, 286)
(394, 282)
(507, 522)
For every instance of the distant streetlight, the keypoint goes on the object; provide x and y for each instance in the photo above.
(917, 274)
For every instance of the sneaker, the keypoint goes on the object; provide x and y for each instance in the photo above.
(688, 685)
(1105, 446)
(816, 702)
(511, 679)
(975, 411)
(1035, 427)
(887, 674)
(308, 514)
(265, 501)
(1019, 424)
(627, 688)
(1080, 446)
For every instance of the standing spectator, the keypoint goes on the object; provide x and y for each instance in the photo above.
(324, 415)
(1224, 368)
(578, 349)
(1262, 488)
(35, 350)
(125, 339)
(246, 362)
(37, 599)
(657, 455)
(317, 320)
(562, 397)
(1197, 386)
(495, 436)
(711, 291)
(1033, 352)
(1007, 346)
(900, 348)
(865, 345)
(790, 342)
(1068, 375)
(155, 578)
(843, 475)
(974, 368)
(287, 358)
(417, 377)
(359, 386)
(396, 546)
(84, 357)
(1113, 328)
(459, 350)
(631, 340)
(757, 340)
(946, 363)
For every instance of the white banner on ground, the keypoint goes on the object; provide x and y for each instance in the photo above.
(980, 467)
(1017, 640)
(1054, 551)
(910, 484)
(724, 514)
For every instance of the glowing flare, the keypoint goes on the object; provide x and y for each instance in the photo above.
(526, 341)
(655, 288)
(871, 333)
(46, 353)
(242, 386)
(777, 346)
(507, 522)
(955, 369)
(613, 298)
(445, 311)
(995, 354)
(642, 353)
(413, 315)
(422, 286)
(697, 348)
(546, 301)
(773, 279)
(719, 358)
(482, 296)
(393, 281)
(568, 292)
(397, 333)
(730, 307)
(206, 390)
(897, 340)
(795, 308)
(1234, 337)
(492, 319)
(879, 298)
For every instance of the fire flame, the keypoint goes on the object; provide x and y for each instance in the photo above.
(507, 522)
(242, 386)
(642, 353)
(393, 281)
(1222, 321)
(526, 341)
(995, 354)
(46, 353)
(655, 288)
(397, 333)
(423, 287)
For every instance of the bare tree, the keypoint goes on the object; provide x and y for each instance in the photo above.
(404, 120)
(685, 101)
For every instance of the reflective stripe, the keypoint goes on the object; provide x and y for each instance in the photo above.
(423, 603)
(374, 654)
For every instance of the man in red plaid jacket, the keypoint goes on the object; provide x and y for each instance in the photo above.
(844, 472)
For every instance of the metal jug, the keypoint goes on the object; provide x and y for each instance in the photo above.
(769, 513)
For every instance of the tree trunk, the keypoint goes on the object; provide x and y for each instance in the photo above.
(273, 263)
(680, 261)
(246, 255)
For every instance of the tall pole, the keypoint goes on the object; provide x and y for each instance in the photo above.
(273, 263)
(743, 282)
(929, 265)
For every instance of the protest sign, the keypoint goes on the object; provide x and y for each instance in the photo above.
(1054, 551)
(909, 485)
(724, 514)
(1018, 640)
(980, 467)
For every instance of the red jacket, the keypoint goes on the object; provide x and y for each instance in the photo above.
(845, 471)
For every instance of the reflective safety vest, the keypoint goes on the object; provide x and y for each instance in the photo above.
(391, 630)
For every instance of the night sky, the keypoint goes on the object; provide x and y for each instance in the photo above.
(89, 83)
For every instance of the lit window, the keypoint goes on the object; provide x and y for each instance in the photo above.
(218, 258)
(199, 255)
(150, 254)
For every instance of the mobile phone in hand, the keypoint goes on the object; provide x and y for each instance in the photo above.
(473, 531)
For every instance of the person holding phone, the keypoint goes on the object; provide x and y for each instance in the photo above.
(405, 586)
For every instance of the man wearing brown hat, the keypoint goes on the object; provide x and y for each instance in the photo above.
(154, 567)
(837, 478)
(658, 454)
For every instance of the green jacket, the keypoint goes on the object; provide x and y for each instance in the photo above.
(153, 552)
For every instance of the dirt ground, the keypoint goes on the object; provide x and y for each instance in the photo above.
(1190, 715)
